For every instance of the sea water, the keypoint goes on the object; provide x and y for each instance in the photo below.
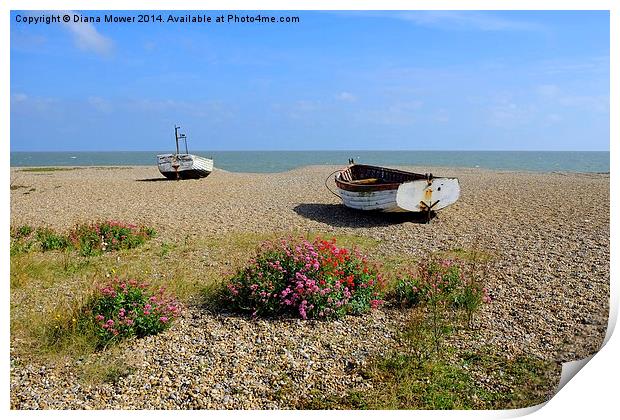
(279, 161)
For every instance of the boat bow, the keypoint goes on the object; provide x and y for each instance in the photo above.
(424, 195)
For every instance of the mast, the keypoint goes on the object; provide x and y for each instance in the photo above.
(176, 137)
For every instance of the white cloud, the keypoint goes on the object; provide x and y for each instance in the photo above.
(22, 102)
(461, 20)
(87, 38)
(585, 65)
(401, 113)
(441, 116)
(346, 97)
(306, 106)
(212, 110)
(19, 97)
(150, 46)
(509, 114)
(100, 104)
(559, 97)
(548, 91)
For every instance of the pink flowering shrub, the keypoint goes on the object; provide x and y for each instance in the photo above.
(99, 237)
(126, 308)
(307, 279)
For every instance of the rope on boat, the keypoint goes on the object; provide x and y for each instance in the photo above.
(327, 186)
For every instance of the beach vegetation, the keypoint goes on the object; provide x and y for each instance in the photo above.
(108, 367)
(483, 379)
(88, 238)
(122, 309)
(102, 316)
(165, 249)
(446, 287)
(308, 279)
(49, 240)
(54, 301)
(414, 376)
(22, 239)
(99, 237)
(22, 231)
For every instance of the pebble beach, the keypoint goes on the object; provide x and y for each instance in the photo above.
(549, 280)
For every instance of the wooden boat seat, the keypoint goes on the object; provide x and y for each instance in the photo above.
(368, 181)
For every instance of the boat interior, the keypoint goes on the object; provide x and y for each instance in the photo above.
(375, 175)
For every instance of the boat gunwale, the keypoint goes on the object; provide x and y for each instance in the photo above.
(350, 186)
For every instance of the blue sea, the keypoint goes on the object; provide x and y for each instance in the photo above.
(279, 161)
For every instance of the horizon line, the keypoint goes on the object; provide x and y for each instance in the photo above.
(313, 150)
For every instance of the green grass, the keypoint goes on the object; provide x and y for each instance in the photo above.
(467, 255)
(107, 367)
(415, 378)
(445, 385)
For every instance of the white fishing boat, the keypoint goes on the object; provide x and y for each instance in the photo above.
(183, 165)
(365, 187)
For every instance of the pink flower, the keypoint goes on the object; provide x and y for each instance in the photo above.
(374, 304)
(302, 309)
(233, 289)
(163, 319)
(108, 291)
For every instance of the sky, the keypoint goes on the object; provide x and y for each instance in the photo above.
(348, 80)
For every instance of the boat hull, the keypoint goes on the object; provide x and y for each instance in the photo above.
(373, 200)
(184, 166)
(364, 187)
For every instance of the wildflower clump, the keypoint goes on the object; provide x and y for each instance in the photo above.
(126, 308)
(22, 238)
(88, 238)
(25, 237)
(50, 240)
(99, 237)
(307, 279)
(444, 280)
